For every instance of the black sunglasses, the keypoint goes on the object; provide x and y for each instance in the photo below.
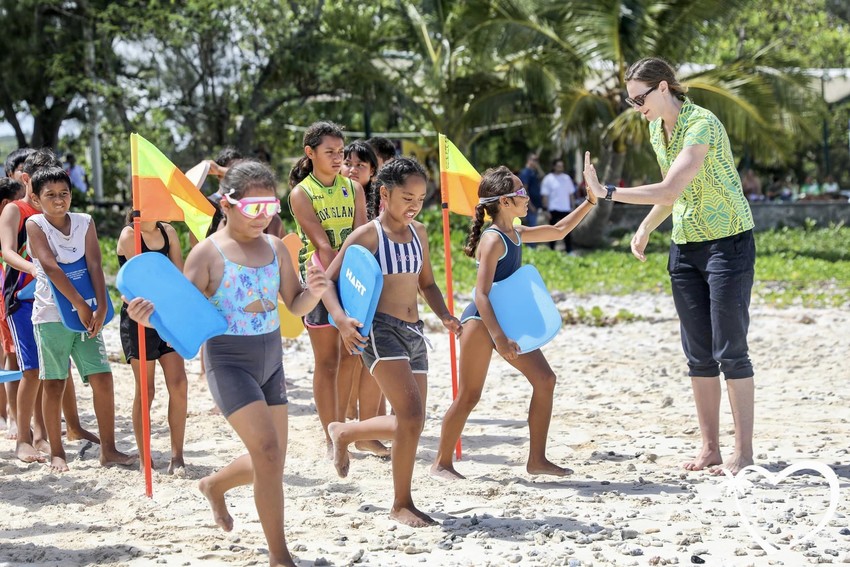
(640, 99)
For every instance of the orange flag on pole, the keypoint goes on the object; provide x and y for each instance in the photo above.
(460, 179)
(163, 193)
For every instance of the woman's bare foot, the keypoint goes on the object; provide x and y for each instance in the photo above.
(222, 517)
(546, 467)
(28, 454)
(733, 465)
(116, 458)
(706, 458)
(410, 516)
(447, 473)
(175, 464)
(78, 433)
(58, 464)
(340, 449)
(374, 446)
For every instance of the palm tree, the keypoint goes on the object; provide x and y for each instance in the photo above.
(762, 105)
(475, 67)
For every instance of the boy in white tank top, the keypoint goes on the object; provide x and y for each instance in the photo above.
(55, 237)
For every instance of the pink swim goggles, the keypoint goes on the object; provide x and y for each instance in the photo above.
(253, 207)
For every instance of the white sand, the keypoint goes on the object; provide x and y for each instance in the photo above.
(623, 420)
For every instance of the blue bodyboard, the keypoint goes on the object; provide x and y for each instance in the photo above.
(182, 316)
(359, 286)
(525, 310)
(78, 275)
(27, 292)
(10, 375)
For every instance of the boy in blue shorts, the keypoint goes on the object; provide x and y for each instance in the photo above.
(53, 237)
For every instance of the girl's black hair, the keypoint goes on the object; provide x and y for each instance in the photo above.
(364, 152)
(10, 188)
(247, 174)
(398, 171)
(46, 175)
(313, 138)
(227, 156)
(495, 181)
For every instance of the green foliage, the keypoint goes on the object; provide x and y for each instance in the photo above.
(804, 266)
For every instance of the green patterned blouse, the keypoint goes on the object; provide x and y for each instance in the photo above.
(713, 204)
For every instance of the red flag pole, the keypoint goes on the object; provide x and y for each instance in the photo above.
(143, 362)
(447, 248)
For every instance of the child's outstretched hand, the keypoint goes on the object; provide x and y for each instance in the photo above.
(452, 324)
(352, 340)
(317, 281)
(140, 310)
(508, 348)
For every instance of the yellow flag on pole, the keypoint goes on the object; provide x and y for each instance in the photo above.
(458, 178)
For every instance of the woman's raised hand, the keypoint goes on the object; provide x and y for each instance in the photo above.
(590, 178)
(139, 310)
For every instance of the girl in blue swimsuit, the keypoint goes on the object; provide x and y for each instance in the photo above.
(242, 270)
(502, 196)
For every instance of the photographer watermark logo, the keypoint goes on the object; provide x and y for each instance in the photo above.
(740, 486)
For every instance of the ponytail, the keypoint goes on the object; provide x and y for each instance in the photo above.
(474, 232)
(299, 172)
(373, 200)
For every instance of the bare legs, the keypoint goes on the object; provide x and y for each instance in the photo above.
(331, 377)
(52, 399)
(72, 416)
(476, 350)
(177, 386)
(406, 392)
(29, 404)
(103, 396)
(707, 396)
(369, 397)
(263, 429)
(707, 400)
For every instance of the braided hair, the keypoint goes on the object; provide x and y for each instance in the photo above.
(495, 181)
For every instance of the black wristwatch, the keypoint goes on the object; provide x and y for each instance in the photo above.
(610, 188)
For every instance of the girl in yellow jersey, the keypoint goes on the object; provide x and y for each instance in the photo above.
(327, 207)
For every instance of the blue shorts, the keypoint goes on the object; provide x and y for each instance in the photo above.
(20, 323)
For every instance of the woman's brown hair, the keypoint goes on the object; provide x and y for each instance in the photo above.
(653, 70)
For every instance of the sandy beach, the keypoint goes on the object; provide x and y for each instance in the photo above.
(623, 421)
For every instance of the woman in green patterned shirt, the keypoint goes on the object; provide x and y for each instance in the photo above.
(712, 255)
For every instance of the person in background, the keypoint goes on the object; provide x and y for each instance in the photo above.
(79, 180)
(530, 176)
(384, 149)
(558, 193)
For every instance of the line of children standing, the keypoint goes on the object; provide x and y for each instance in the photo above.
(20, 271)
